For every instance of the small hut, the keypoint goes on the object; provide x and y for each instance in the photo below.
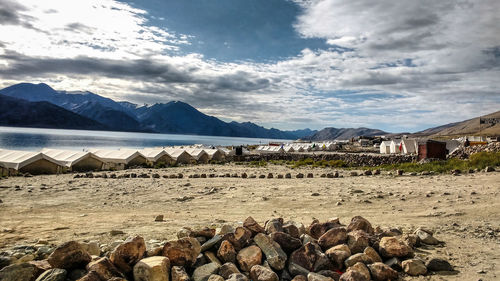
(432, 149)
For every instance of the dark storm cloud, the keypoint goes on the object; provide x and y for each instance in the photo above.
(11, 13)
(144, 70)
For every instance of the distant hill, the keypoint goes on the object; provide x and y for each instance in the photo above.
(467, 127)
(22, 113)
(173, 117)
(344, 133)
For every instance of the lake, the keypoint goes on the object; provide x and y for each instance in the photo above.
(34, 139)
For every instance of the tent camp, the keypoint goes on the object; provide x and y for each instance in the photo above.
(75, 160)
(157, 156)
(199, 154)
(180, 156)
(409, 146)
(385, 147)
(395, 147)
(119, 159)
(288, 148)
(35, 163)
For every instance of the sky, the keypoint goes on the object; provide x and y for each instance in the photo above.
(399, 66)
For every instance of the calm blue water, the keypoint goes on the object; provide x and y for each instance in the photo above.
(34, 139)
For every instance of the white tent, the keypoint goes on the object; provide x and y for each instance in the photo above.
(180, 156)
(157, 155)
(395, 144)
(199, 154)
(29, 162)
(288, 148)
(75, 160)
(385, 147)
(410, 146)
(119, 159)
(215, 154)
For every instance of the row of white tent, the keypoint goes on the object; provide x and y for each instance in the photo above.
(52, 161)
(410, 146)
(297, 147)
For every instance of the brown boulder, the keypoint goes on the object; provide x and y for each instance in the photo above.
(178, 273)
(261, 273)
(333, 237)
(337, 257)
(318, 277)
(391, 247)
(182, 252)
(104, 268)
(381, 272)
(253, 226)
(369, 251)
(357, 241)
(414, 267)
(227, 269)
(291, 229)
(237, 277)
(360, 223)
(240, 238)
(248, 257)
(127, 254)
(68, 256)
(274, 225)
(353, 275)
(226, 252)
(361, 257)
(90, 276)
(318, 229)
(361, 268)
(299, 278)
(309, 258)
(286, 241)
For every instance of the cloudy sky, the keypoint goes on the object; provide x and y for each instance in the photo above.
(400, 65)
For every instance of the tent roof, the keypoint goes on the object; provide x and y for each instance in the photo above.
(176, 152)
(68, 157)
(196, 152)
(16, 159)
(153, 154)
(118, 156)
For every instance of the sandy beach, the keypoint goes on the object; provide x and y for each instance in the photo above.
(464, 210)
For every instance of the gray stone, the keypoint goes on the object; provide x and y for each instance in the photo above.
(437, 264)
(203, 272)
(426, 237)
(55, 274)
(210, 243)
(18, 272)
(275, 256)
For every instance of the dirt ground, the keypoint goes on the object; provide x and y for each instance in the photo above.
(464, 210)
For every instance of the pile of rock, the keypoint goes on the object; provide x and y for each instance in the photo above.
(324, 251)
(464, 152)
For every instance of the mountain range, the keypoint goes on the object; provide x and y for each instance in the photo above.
(78, 108)
(39, 105)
